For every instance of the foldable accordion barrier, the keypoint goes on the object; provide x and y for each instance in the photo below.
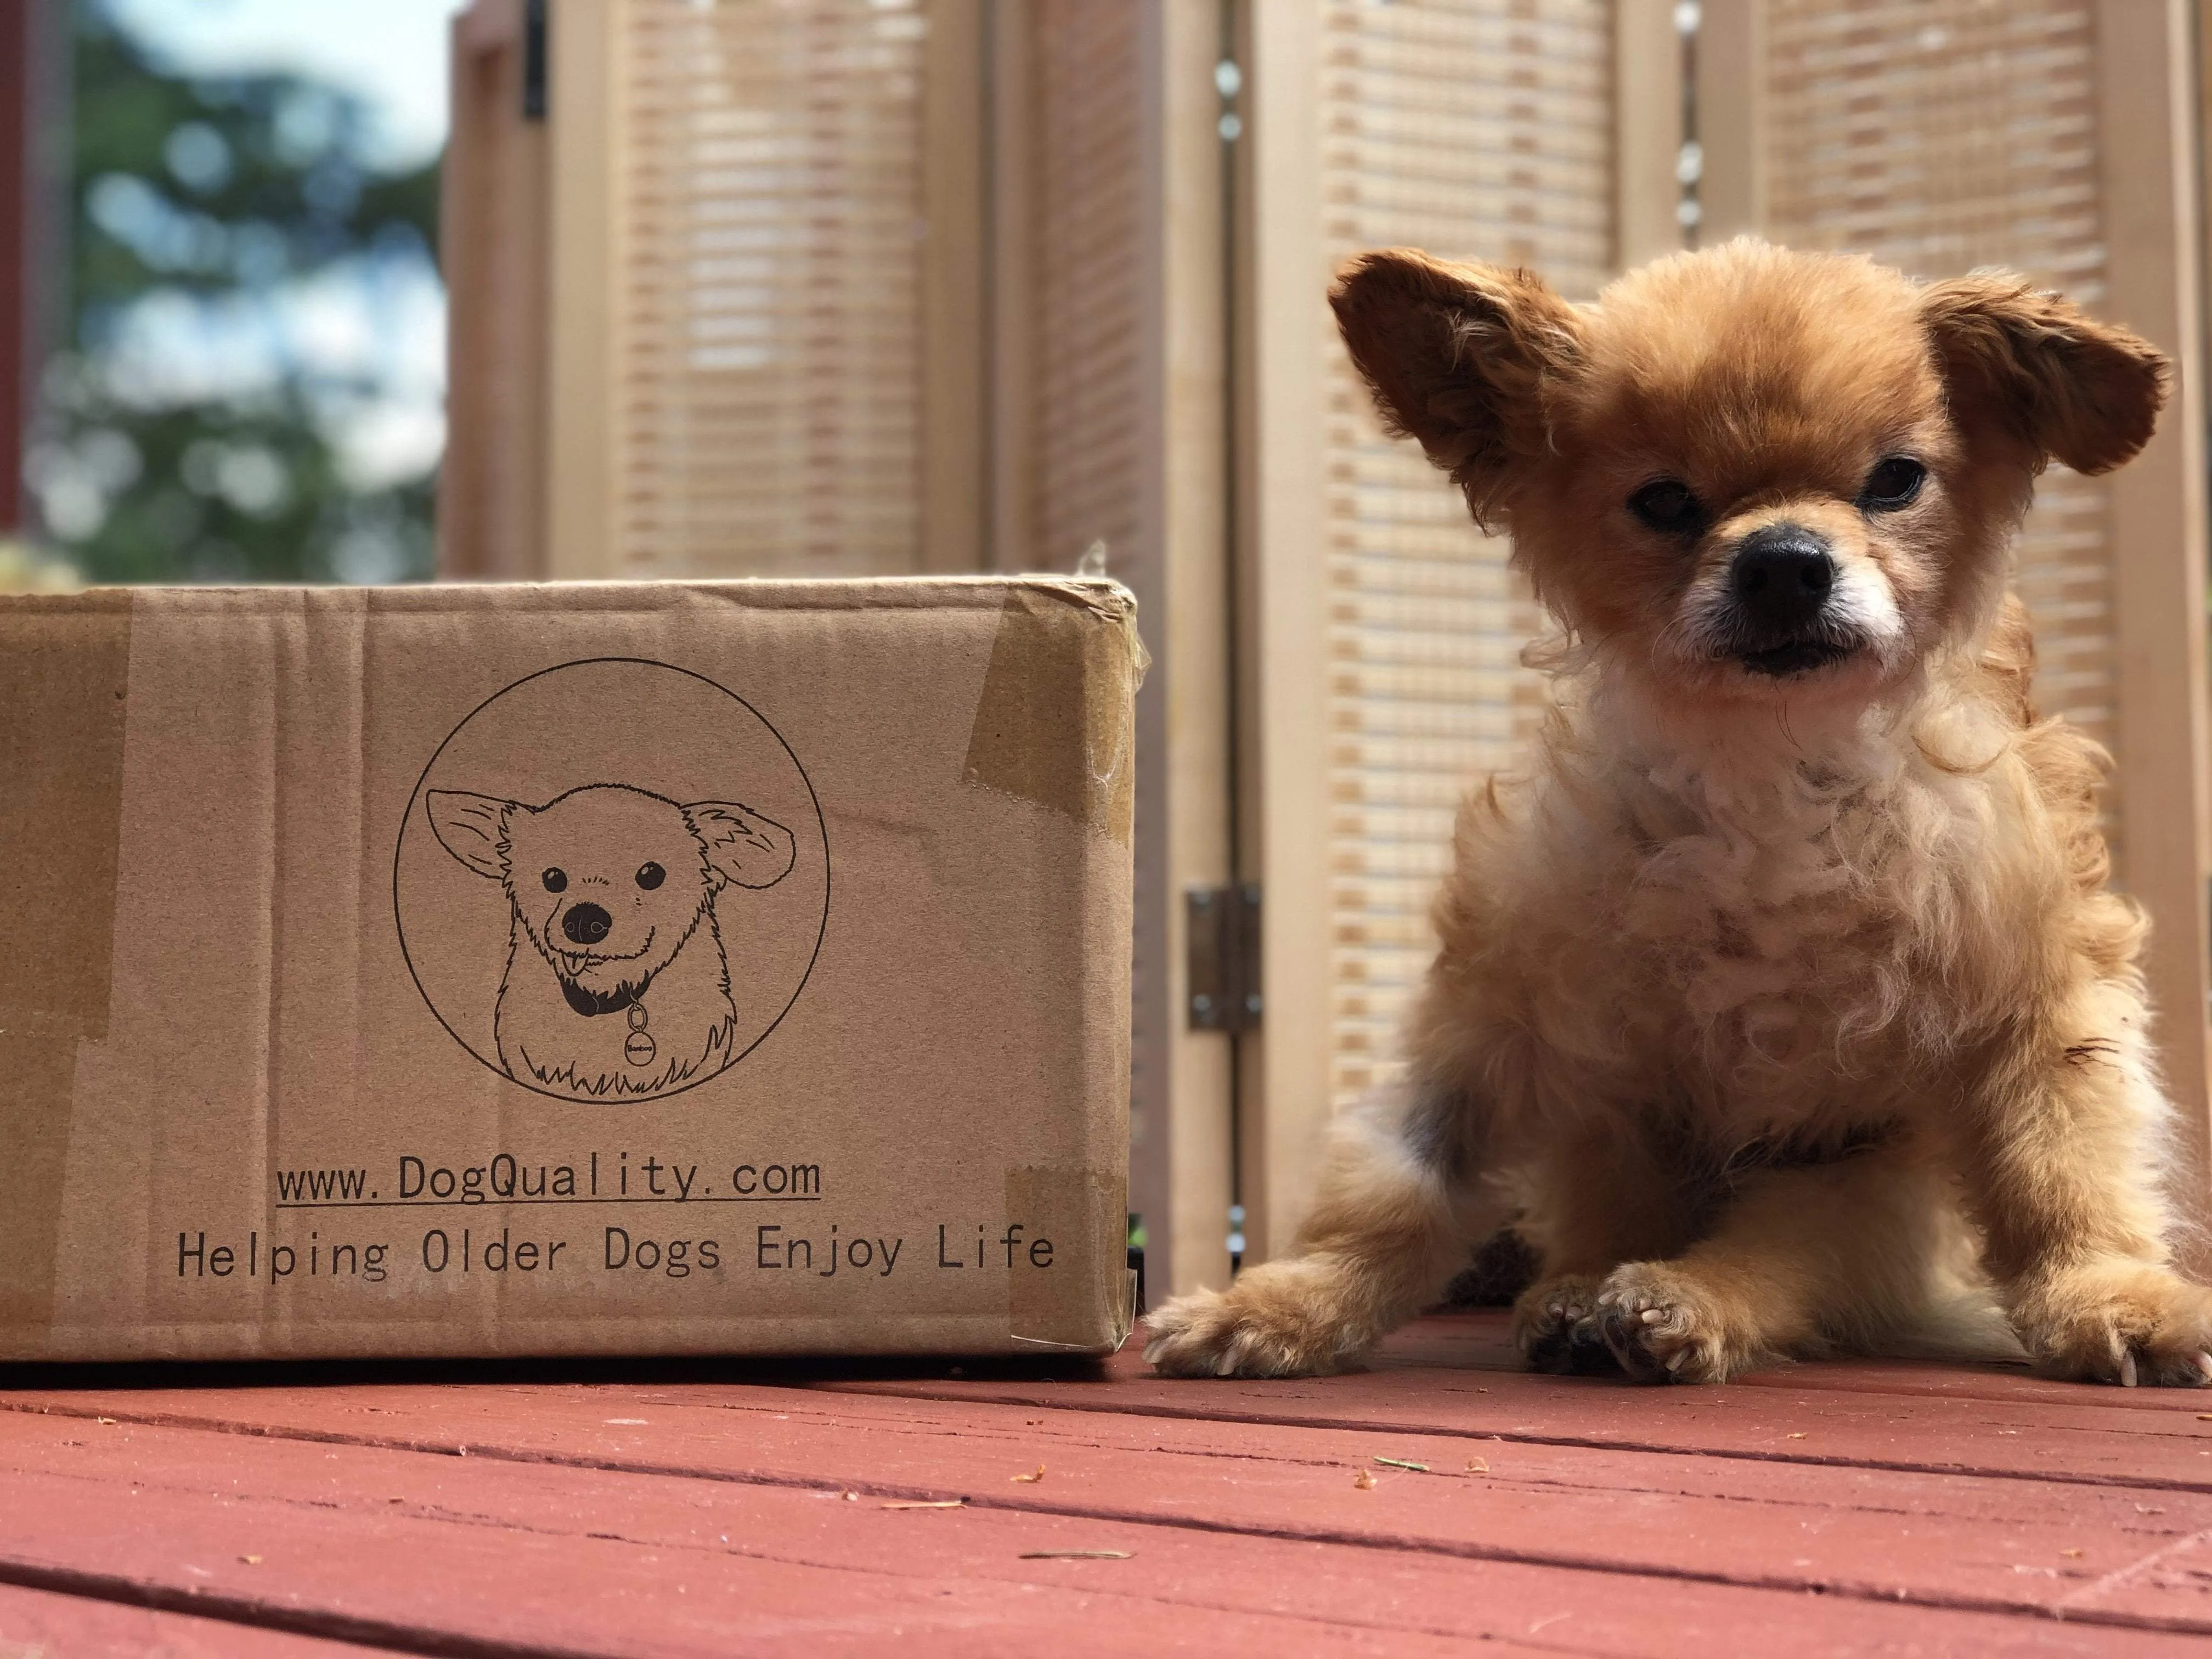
(827, 286)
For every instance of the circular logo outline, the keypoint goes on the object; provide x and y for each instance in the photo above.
(814, 800)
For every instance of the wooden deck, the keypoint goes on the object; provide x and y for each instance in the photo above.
(722, 1508)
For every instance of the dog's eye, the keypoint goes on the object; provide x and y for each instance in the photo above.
(650, 876)
(1892, 484)
(555, 879)
(1668, 507)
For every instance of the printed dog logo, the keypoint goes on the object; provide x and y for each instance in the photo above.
(616, 986)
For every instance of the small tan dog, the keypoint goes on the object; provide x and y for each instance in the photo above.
(1784, 998)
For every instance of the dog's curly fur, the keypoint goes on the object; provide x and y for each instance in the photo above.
(1788, 1003)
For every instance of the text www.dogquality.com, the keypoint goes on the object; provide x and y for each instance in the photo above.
(504, 1178)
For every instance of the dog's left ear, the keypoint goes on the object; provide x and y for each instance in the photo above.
(2037, 367)
(742, 846)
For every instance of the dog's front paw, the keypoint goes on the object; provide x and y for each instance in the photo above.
(1283, 1319)
(1663, 1327)
(1555, 1325)
(2127, 1323)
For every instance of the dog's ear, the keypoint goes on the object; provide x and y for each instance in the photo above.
(742, 846)
(2041, 371)
(1459, 357)
(472, 828)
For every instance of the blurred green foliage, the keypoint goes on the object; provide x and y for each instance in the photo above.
(205, 204)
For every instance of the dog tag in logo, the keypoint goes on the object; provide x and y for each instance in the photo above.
(637, 1048)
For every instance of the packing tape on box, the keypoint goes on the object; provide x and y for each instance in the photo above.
(1041, 684)
(62, 695)
(1073, 1210)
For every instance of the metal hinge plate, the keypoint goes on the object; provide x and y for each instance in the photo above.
(1222, 927)
(534, 68)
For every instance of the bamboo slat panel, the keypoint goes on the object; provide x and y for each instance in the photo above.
(1476, 129)
(1939, 136)
(1088, 438)
(1088, 449)
(768, 350)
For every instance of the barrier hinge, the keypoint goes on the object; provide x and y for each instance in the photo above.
(535, 28)
(1221, 931)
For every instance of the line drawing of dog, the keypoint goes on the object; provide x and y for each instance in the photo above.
(606, 996)
(1782, 995)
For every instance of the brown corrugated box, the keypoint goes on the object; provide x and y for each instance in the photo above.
(621, 968)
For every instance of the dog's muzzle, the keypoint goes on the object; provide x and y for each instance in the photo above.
(1782, 585)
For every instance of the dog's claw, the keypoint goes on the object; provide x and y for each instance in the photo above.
(2127, 1368)
(2204, 1366)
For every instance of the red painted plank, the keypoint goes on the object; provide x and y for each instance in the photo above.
(40, 1625)
(1935, 1539)
(518, 1557)
(1483, 1340)
(2151, 1437)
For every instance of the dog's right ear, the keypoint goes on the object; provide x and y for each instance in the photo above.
(2041, 370)
(741, 845)
(472, 828)
(1459, 357)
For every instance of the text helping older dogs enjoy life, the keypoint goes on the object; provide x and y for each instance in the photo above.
(372, 1252)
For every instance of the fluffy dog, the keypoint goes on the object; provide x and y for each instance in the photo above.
(1784, 996)
(606, 997)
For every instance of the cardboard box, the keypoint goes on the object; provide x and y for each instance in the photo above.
(625, 968)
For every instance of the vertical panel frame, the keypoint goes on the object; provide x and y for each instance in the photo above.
(954, 435)
(1284, 645)
(1186, 1174)
(494, 256)
(1731, 90)
(1647, 131)
(584, 349)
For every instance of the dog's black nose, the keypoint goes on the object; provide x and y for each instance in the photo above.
(585, 924)
(1782, 576)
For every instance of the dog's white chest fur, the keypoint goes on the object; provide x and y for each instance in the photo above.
(1743, 935)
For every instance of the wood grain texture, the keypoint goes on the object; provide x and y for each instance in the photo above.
(702, 1508)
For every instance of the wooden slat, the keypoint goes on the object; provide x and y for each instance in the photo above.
(38, 1624)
